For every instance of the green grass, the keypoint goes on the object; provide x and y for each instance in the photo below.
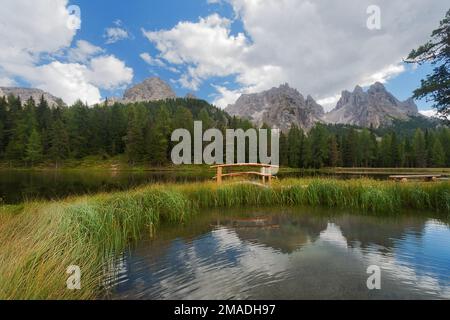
(39, 240)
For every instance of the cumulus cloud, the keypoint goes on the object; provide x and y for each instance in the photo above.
(67, 80)
(320, 47)
(108, 72)
(115, 34)
(152, 61)
(206, 47)
(83, 51)
(45, 29)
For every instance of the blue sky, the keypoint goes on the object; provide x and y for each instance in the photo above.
(216, 49)
(151, 15)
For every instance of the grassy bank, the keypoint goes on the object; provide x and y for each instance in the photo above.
(38, 241)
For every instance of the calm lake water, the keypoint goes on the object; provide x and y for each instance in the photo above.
(289, 254)
(17, 186)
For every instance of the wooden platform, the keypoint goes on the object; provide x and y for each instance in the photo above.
(264, 173)
(424, 177)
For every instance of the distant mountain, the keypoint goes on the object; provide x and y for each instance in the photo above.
(376, 107)
(150, 89)
(278, 107)
(25, 93)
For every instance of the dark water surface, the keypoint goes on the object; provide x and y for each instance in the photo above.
(289, 254)
(17, 186)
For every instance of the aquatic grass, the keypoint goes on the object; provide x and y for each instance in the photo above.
(38, 240)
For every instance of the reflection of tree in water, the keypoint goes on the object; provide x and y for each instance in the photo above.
(367, 230)
(282, 232)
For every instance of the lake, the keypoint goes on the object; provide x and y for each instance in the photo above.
(19, 185)
(297, 253)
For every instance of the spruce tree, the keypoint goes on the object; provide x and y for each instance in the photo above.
(33, 152)
(419, 149)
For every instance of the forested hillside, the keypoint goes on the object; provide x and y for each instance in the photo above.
(32, 133)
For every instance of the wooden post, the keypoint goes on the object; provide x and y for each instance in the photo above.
(263, 171)
(219, 175)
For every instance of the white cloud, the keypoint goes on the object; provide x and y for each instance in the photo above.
(320, 47)
(83, 51)
(68, 81)
(206, 46)
(115, 34)
(108, 72)
(152, 61)
(431, 113)
(225, 96)
(6, 81)
(329, 103)
(383, 75)
(44, 30)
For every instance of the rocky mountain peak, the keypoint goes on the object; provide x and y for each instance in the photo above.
(26, 93)
(279, 107)
(377, 87)
(150, 89)
(375, 107)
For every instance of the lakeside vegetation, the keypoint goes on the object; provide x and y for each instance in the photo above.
(139, 135)
(39, 240)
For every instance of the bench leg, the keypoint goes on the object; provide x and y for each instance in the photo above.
(219, 175)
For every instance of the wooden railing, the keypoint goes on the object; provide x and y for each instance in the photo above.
(264, 173)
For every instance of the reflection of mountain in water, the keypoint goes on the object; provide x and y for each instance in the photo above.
(280, 232)
(366, 231)
(290, 256)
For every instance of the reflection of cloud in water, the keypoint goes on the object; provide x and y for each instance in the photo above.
(228, 263)
(333, 235)
(218, 277)
(408, 260)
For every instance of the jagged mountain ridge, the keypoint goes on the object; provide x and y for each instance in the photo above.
(278, 107)
(375, 107)
(283, 106)
(25, 93)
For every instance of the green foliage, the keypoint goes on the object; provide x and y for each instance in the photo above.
(142, 133)
(436, 86)
(34, 147)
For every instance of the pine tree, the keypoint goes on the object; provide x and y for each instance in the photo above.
(437, 52)
(284, 150)
(334, 156)
(158, 141)
(34, 148)
(134, 139)
(419, 149)
(350, 156)
(319, 146)
(437, 154)
(294, 140)
(386, 151)
(59, 139)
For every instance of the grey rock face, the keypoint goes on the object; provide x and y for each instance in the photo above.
(25, 93)
(151, 89)
(279, 108)
(190, 95)
(375, 107)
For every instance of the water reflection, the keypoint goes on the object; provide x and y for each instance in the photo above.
(294, 254)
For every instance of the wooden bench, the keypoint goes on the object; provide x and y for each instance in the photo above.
(424, 177)
(264, 172)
